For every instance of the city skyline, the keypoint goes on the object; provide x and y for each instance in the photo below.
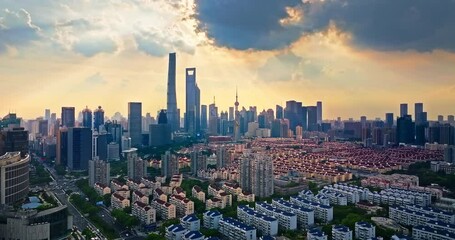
(68, 51)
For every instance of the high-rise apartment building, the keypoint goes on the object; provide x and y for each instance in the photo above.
(169, 164)
(99, 172)
(79, 148)
(172, 114)
(256, 174)
(137, 168)
(135, 123)
(68, 117)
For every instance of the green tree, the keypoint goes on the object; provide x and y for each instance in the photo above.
(154, 236)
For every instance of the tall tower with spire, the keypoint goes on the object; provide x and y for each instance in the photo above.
(236, 117)
(172, 114)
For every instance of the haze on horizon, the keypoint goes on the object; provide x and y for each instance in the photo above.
(360, 57)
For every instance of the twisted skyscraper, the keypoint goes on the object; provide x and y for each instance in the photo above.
(172, 115)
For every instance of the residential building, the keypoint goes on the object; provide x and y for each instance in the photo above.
(163, 209)
(286, 220)
(137, 168)
(138, 196)
(422, 232)
(212, 219)
(191, 222)
(116, 185)
(256, 174)
(102, 189)
(322, 212)
(119, 202)
(265, 225)
(144, 212)
(315, 234)
(159, 194)
(364, 231)
(305, 216)
(234, 229)
(246, 196)
(193, 235)
(198, 193)
(98, 172)
(175, 232)
(340, 232)
(184, 206)
(412, 215)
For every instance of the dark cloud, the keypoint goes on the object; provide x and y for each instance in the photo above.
(244, 24)
(421, 25)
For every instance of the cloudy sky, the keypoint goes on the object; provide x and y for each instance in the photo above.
(360, 57)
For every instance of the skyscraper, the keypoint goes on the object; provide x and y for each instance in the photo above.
(405, 130)
(418, 110)
(236, 117)
(135, 123)
(279, 112)
(256, 174)
(62, 147)
(14, 139)
(403, 109)
(389, 120)
(68, 117)
(172, 115)
(213, 119)
(87, 118)
(192, 114)
(203, 117)
(319, 110)
(160, 134)
(312, 118)
(43, 126)
(47, 114)
(79, 148)
(14, 177)
(99, 118)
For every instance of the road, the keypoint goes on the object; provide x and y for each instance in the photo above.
(58, 187)
(61, 184)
